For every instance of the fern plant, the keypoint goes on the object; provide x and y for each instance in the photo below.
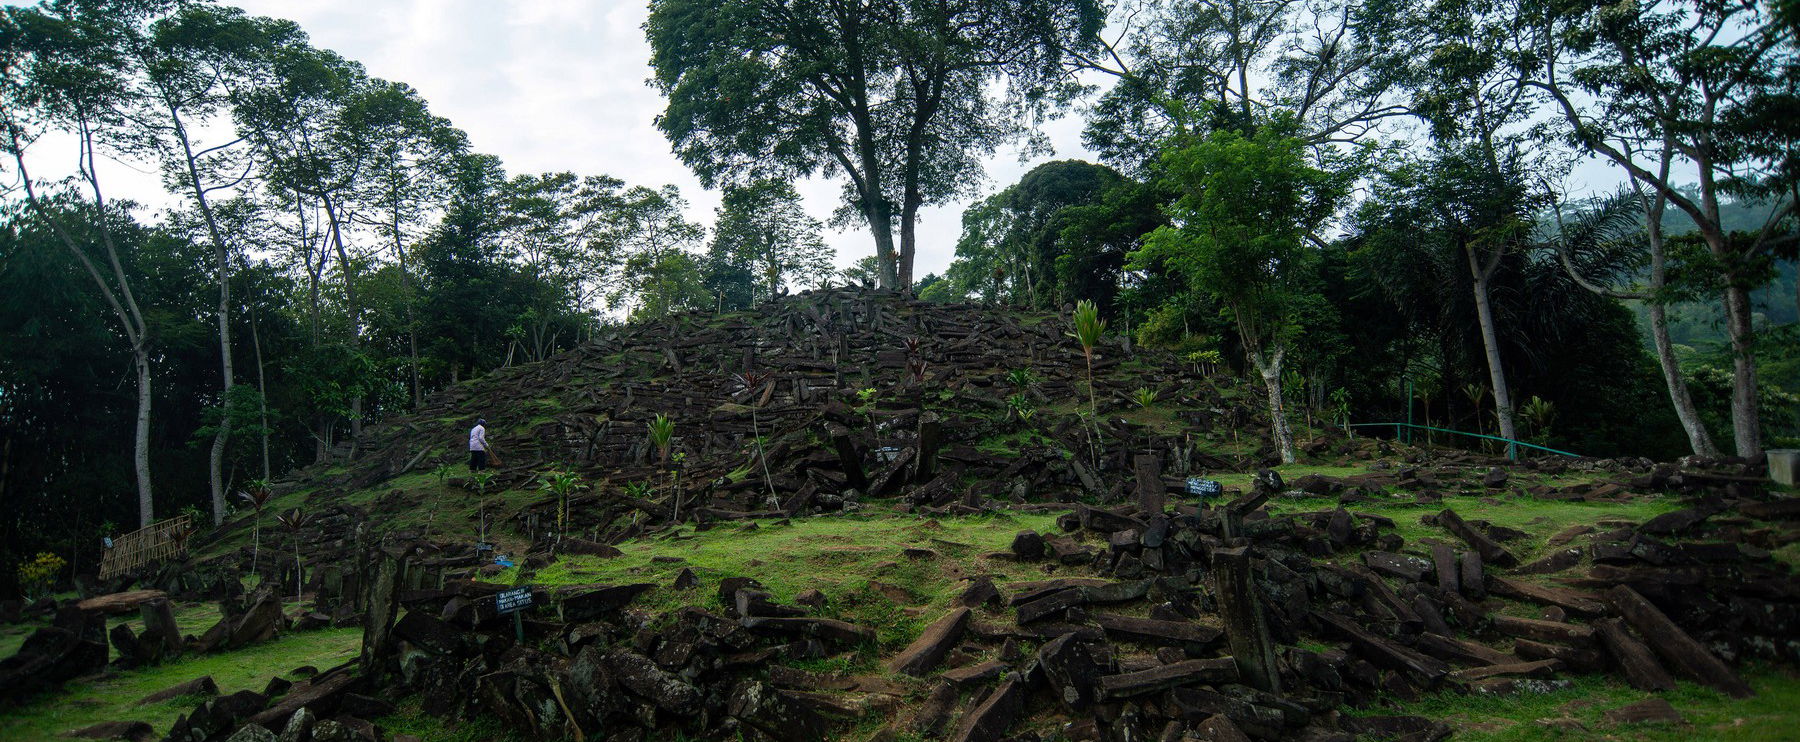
(295, 520)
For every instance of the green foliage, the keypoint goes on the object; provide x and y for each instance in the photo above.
(662, 432)
(747, 98)
(562, 484)
(1088, 326)
(1021, 378)
(1020, 407)
(481, 479)
(1538, 415)
(763, 235)
(39, 573)
(1144, 398)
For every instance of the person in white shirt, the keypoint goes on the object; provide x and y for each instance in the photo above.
(478, 455)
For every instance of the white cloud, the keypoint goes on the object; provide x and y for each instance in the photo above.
(560, 85)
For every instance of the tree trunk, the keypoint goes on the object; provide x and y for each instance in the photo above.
(262, 393)
(221, 257)
(355, 310)
(1484, 311)
(1269, 367)
(1745, 424)
(1698, 439)
(909, 237)
(141, 449)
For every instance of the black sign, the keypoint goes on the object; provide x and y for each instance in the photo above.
(1204, 487)
(511, 601)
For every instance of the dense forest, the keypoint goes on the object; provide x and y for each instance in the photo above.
(1361, 205)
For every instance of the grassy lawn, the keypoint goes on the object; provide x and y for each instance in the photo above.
(855, 560)
(1770, 716)
(111, 698)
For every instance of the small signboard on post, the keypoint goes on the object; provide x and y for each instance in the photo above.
(1204, 488)
(513, 601)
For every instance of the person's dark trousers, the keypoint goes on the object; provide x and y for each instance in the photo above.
(477, 460)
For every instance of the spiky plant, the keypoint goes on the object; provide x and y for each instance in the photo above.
(1021, 378)
(1088, 329)
(561, 484)
(256, 492)
(662, 433)
(1144, 397)
(295, 520)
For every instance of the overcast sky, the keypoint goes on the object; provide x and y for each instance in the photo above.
(551, 85)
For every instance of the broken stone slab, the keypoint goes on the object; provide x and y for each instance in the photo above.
(1386, 653)
(200, 686)
(1647, 711)
(776, 713)
(320, 694)
(584, 547)
(1443, 562)
(1115, 592)
(759, 603)
(636, 673)
(976, 673)
(1574, 601)
(136, 731)
(1534, 669)
(1193, 637)
(933, 644)
(934, 713)
(1675, 522)
(1188, 672)
(1674, 645)
(1490, 550)
(1409, 568)
(989, 720)
(1544, 631)
(1247, 709)
(73, 645)
(1028, 545)
(1473, 577)
(1641, 669)
(1462, 650)
(1053, 604)
(1579, 659)
(826, 629)
(1555, 561)
(1217, 728)
(124, 602)
(578, 603)
(1071, 671)
(980, 592)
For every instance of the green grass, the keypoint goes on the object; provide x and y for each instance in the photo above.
(110, 698)
(840, 556)
(1540, 518)
(1771, 715)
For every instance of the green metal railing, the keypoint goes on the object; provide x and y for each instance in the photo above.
(1512, 446)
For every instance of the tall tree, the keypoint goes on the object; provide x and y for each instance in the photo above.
(763, 228)
(1205, 64)
(896, 96)
(187, 64)
(66, 74)
(1632, 221)
(1694, 84)
(1245, 208)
